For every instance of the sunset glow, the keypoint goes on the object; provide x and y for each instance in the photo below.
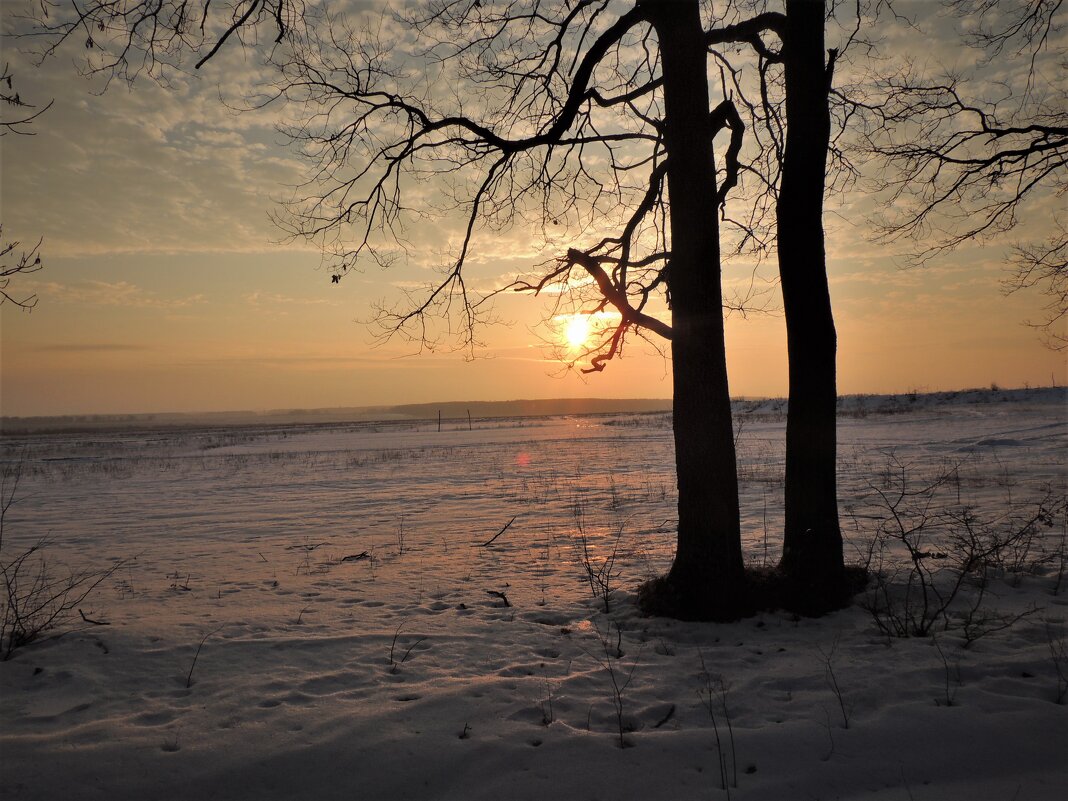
(166, 287)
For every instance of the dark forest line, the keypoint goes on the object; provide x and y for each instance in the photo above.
(451, 411)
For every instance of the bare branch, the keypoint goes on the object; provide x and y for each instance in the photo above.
(15, 263)
(963, 158)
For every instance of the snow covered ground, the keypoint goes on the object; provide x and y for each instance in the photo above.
(323, 593)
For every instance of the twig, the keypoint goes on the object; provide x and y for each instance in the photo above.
(547, 717)
(393, 645)
(394, 664)
(619, 682)
(1059, 656)
(90, 620)
(832, 679)
(409, 651)
(495, 536)
(196, 656)
(950, 693)
(307, 546)
(716, 688)
(501, 595)
(666, 718)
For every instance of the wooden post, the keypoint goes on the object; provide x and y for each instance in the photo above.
(439, 421)
(468, 419)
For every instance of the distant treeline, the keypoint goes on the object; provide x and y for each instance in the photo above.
(530, 408)
(453, 410)
(848, 405)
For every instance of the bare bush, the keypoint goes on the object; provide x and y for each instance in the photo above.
(601, 573)
(36, 598)
(932, 557)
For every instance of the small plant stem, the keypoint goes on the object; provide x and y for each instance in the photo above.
(196, 656)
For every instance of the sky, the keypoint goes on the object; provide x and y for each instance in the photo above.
(167, 287)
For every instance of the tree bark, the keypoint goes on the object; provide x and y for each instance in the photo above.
(707, 578)
(812, 543)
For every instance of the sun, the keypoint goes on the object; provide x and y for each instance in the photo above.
(577, 330)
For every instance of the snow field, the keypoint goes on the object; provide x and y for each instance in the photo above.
(323, 673)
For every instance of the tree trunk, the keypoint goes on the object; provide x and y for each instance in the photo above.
(812, 544)
(707, 578)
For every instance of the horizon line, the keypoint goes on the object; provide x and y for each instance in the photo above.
(429, 405)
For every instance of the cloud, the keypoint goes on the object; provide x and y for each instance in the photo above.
(272, 299)
(148, 170)
(88, 347)
(117, 293)
(313, 363)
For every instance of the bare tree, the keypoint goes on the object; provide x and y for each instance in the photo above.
(565, 116)
(780, 77)
(573, 120)
(966, 159)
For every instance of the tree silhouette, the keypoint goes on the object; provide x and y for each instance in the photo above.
(961, 163)
(812, 539)
(563, 118)
(568, 115)
(593, 123)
